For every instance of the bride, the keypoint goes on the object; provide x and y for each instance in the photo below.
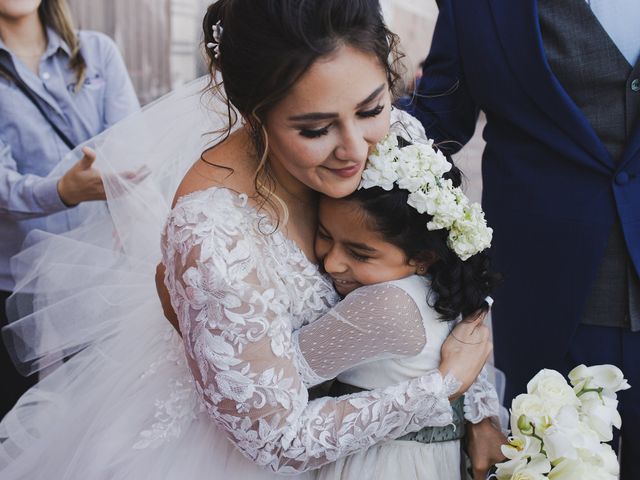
(312, 82)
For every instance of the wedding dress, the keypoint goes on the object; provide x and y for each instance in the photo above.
(128, 403)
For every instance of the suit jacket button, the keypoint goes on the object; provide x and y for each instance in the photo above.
(635, 85)
(622, 178)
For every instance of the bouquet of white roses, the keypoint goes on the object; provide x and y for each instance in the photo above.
(558, 429)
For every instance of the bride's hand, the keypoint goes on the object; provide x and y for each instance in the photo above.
(465, 351)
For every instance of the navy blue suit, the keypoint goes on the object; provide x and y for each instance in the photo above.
(551, 189)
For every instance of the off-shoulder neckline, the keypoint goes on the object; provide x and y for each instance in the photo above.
(244, 204)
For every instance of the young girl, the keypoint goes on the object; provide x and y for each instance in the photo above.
(417, 260)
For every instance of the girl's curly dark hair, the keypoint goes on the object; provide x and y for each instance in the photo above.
(460, 287)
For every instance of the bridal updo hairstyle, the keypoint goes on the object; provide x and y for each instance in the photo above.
(267, 45)
(460, 287)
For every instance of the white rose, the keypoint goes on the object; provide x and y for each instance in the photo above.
(552, 387)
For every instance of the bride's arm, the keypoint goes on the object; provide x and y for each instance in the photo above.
(165, 298)
(237, 334)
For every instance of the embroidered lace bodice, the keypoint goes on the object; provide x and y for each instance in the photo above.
(239, 294)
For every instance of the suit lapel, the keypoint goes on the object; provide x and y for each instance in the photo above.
(632, 150)
(519, 31)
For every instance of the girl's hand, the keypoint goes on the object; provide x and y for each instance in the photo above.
(483, 446)
(465, 351)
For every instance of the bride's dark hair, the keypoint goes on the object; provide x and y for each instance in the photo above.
(460, 287)
(267, 45)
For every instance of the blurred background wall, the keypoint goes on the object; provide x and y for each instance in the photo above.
(159, 39)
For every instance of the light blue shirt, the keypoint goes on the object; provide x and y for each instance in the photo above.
(29, 147)
(621, 20)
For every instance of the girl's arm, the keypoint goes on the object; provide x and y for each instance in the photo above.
(374, 322)
(377, 322)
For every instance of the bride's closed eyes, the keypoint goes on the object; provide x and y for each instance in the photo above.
(315, 133)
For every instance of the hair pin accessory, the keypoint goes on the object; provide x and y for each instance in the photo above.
(217, 36)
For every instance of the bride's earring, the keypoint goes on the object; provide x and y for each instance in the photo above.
(421, 270)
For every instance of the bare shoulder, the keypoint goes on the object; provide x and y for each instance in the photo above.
(229, 164)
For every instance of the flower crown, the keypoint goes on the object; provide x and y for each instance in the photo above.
(420, 169)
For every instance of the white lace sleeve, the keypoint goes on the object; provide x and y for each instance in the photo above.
(481, 399)
(233, 299)
(374, 322)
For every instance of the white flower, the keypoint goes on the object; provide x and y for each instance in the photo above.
(531, 406)
(608, 377)
(470, 234)
(446, 205)
(566, 437)
(603, 458)
(534, 469)
(600, 413)
(521, 447)
(420, 201)
(552, 387)
(420, 169)
(578, 470)
(553, 426)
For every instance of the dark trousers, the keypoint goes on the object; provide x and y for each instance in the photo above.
(594, 345)
(13, 384)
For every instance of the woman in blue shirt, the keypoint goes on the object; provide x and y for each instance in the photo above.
(78, 82)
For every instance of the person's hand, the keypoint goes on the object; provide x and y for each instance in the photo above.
(483, 446)
(465, 351)
(81, 182)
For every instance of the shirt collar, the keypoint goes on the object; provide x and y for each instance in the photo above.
(54, 43)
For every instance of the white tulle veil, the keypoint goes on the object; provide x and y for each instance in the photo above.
(68, 286)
